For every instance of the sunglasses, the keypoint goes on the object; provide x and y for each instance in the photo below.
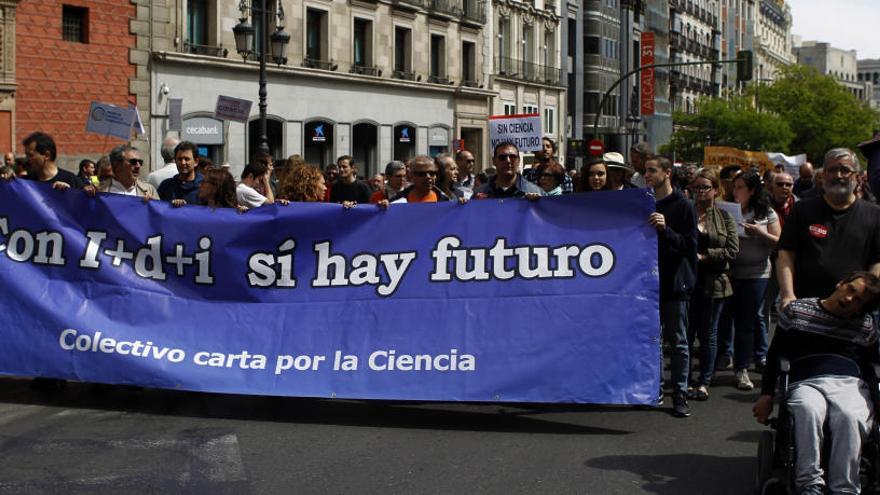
(784, 184)
(425, 173)
(703, 188)
(135, 161)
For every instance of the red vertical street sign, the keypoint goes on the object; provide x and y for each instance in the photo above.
(647, 75)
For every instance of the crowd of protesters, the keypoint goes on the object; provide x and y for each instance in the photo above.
(732, 242)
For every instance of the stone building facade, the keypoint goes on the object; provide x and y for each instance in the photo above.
(837, 63)
(694, 36)
(376, 79)
(525, 63)
(772, 43)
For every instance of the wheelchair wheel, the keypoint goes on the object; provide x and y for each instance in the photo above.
(765, 461)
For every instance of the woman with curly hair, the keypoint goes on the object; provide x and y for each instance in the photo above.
(303, 183)
(217, 190)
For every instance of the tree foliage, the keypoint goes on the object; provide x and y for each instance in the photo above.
(727, 122)
(821, 112)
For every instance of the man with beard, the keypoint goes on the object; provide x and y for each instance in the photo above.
(829, 236)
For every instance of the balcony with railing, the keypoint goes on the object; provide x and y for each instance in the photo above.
(527, 71)
(366, 70)
(467, 11)
(451, 8)
(406, 75)
(314, 63)
(438, 79)
(211, 51)
(473, 11)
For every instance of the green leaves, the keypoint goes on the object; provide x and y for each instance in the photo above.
(822, 113)
(802, 111)
(728, 122)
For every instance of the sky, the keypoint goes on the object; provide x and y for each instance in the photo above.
(846, 24)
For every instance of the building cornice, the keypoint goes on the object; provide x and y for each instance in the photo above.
(292, 71)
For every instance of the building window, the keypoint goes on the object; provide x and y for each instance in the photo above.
(509, 108)
(402, 49)
(316, 35)
(527, 109)
(468, 63)
(549, 120)
(591, 102)
(363, 43)
(591, 45)
(75, 24)
(549, 48)
(438, 57)
(503, 38)
(261, 39)
(528, 43)
(196, 20)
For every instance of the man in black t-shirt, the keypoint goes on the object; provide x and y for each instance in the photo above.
(829, 236)
(347, 187)
(39, 148)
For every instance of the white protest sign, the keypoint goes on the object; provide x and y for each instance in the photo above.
(137, 124)
(522, 130)
(234, 109)
(735, 211)
(110, 120)
(792, 164)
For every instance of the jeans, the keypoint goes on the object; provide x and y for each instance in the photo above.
(704, 315)
(750, 332)
(674, 322)
(725, 328)
(772, 294)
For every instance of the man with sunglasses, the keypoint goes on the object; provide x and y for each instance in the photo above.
(126, 162)
(423, 174)
(828, 236)
(507, 182)
(781, 195)
(465, 161)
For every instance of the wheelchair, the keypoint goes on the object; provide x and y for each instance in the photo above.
(776, 450)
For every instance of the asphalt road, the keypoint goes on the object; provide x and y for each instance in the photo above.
(93, 439)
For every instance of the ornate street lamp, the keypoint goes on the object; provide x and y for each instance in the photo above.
(245, 45)
(634, 126)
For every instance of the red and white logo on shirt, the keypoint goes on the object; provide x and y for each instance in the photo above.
(818, 231)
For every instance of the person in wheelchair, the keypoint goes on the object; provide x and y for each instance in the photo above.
(830, 344)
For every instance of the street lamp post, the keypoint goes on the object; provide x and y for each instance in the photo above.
(246, 46)
(634, 126)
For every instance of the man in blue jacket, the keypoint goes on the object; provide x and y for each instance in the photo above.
(183, 188)
(676, 225)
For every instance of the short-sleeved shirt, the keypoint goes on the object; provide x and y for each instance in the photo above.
(350, 191)
(753, 259)
(830, 244)
(248, 196)
(64, 176)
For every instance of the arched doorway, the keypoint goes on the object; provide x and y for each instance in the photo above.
(275, 134)
(404, 142)
(364, 138)
(318, 143)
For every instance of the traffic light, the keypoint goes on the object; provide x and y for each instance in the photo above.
(744, 65)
